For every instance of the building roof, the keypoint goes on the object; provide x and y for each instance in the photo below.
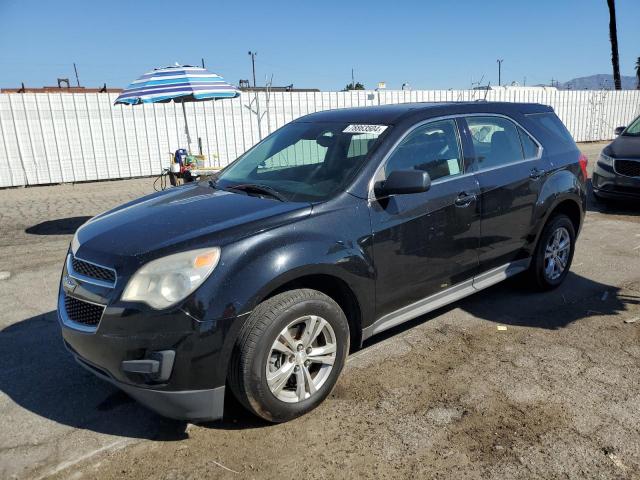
(57, 90)
(288, 88)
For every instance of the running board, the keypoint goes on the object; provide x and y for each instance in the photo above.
(445, 297)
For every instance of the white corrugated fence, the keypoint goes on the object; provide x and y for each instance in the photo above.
(74, 137)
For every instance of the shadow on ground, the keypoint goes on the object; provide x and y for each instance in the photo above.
(38, 374)
(60, 226)
(515, 302)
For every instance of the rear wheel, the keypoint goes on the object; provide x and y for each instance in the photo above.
(554, 253)
(289, 354)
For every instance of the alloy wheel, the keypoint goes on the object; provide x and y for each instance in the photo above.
(301, 359)
(556, 254)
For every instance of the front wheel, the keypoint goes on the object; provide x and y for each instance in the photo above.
(552, 259)
(289, 354)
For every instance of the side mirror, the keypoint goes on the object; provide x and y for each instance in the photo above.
(403, 182)
(618, 131)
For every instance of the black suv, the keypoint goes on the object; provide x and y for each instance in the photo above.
(617, 173)
(336, 227)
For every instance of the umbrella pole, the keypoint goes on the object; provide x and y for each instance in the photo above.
(186, 127)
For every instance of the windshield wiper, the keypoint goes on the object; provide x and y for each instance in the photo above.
(257, 188)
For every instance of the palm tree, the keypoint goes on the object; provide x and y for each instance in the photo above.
(638, 73)
(353, 86)
(613, 36)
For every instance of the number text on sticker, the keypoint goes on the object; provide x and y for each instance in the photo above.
(375, 129)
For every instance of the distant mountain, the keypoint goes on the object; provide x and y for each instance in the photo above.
(597, 82)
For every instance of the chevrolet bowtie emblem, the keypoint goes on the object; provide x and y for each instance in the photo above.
(69, 283)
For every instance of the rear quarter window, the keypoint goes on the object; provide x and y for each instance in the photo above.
(553, 127)
(529, 146)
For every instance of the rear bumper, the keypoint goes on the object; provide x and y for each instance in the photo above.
(608, 184)
(192, 405)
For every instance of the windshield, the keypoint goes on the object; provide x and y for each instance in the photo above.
(633, 129)
(304, 162)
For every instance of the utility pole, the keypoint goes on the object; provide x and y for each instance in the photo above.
(253, 65)
(353, 81)
(76, 70)
(500, 60)
(202, 59)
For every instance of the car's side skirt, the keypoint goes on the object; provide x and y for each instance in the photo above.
(445, 297)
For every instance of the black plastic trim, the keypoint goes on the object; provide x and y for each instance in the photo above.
(192, 405)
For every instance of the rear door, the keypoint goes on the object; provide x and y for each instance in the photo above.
(425, 242)
(510, 170)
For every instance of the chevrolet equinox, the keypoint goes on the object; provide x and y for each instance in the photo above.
(337, 226)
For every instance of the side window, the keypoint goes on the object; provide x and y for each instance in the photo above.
(554, 126)
(495, 140)
(529, 146)
(433, 148)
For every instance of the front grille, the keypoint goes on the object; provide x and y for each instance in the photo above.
(629, 168)
(93, 271)
(83, 312)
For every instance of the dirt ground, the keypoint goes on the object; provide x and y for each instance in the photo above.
(555, 395)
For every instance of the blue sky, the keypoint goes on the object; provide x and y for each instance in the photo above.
(429, 44)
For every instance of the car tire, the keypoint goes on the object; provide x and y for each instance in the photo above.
(289, 354)
(551, 261)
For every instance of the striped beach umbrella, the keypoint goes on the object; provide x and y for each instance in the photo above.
(180, 83)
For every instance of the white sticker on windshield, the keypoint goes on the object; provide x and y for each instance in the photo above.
(375, 129)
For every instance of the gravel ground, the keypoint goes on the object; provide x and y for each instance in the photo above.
(556, 395)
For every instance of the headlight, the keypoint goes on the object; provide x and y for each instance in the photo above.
(605, 160)
(164, 282)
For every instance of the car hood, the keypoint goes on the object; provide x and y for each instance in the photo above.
(624, 147)
(192, 216)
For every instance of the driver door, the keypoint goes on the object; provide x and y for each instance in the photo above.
(424, 243)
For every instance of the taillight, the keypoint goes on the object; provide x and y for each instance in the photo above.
(583, 161)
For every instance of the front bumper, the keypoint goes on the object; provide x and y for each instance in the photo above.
(172, 361)
(194, 389)
(609, 184)
(192, 405)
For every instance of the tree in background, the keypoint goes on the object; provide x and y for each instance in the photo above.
(351, 86)
(638, 73)
(613, 36)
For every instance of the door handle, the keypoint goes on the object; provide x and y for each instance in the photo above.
(464, 199)
(536, 173)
